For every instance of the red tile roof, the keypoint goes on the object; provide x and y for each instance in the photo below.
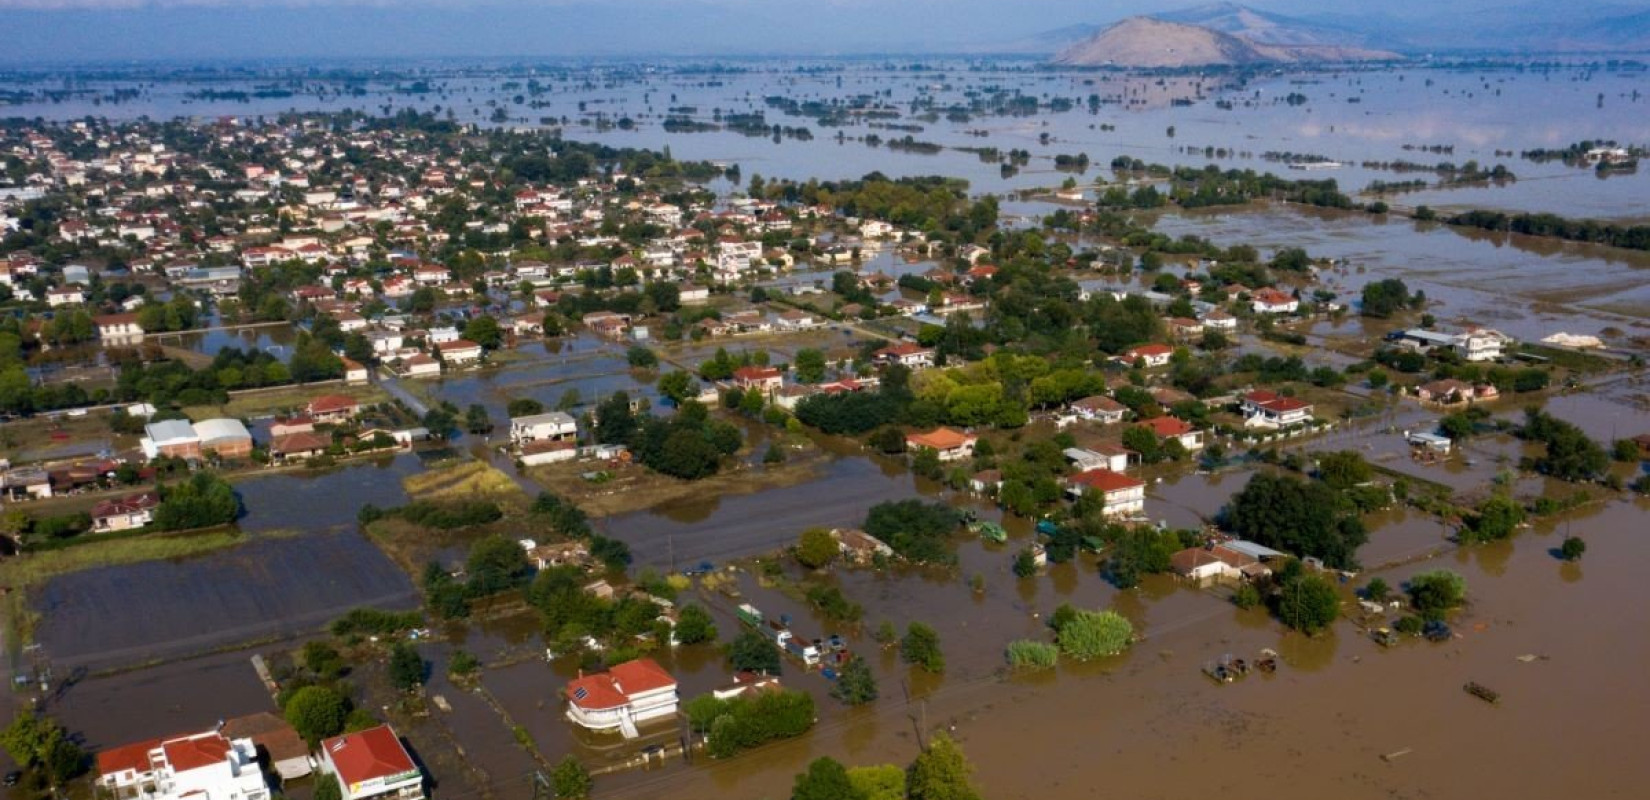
(125, 505)
(939, 439)
(1151, 350)
(196, 752)
(1165, 427)
(756, 374)
(368, 755)
(612, 689)
(328, 403)
(1105, 480)
(134, 756)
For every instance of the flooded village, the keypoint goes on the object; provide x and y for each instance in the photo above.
(718, 428)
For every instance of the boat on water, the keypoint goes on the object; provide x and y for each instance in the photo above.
(989, 530)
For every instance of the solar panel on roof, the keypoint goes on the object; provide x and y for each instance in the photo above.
(580, 693)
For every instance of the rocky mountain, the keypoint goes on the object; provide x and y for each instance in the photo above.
(1148, 42)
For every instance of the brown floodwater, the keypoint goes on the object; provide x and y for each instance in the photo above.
(1148, 724)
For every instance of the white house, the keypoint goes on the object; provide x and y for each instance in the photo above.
(460, 351)
(1152, 355)
(1481, 345)
(1115, 459)
(443, 334)
(372, 764)
(1121, 494)
(1263, 409)
(201, 765)
(419, 365)
(120, 329)
(906, 354)
(65, 296)
(1099, 408)
(125, 513)
(622, 698)
(550, 426)
(1272, 301)
(950, 444)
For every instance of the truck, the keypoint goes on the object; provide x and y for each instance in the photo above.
(750, 615)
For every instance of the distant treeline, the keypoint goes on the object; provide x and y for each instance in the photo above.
(1631, 237)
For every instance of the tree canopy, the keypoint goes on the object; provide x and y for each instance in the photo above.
(1298, 516)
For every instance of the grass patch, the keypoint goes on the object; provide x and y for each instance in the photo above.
(254, 404)
(1573, 360)
(462, 479)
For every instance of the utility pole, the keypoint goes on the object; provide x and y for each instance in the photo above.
(541, 787)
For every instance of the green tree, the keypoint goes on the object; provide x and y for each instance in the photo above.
(694, 625)
(810, 365)
(1377, 591)
(40, 743)
(1308, 603)
(1496, 518)
(921, 646)
(752, 652)
(476, 420)
(817, 548)
(524, 407)
(571, 780)
(1343, 469)
(1436, 592)
(856, 685)
(640, 357)
(1298, 516)
(323, 660)
(327, 788)
(485, 331)
(1091, 634)
(941, 772)
(316, 712)
(881, 782)
(407, 667)
(495, 564)
(677, 386)
(825, 779)
(1572, 548)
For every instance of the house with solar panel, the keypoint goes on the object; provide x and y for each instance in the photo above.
(622, 698)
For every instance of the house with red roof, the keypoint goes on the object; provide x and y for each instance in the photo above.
(1272, 301)
(767, 380)
(1152, 355)
(1099, 408)
(949, 443)
(198, 765)
(332, 408)
(622, 698)
(906, 354)
(125, 513)
(1168, 428)
(459, 352)
(372, 763)
(1264, 409)
(1120, 494)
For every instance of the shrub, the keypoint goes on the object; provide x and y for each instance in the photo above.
(1091, 634)
(373, 622)
(921, 646)
(1433, 593)
(1031, 654)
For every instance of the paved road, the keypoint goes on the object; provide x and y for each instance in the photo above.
(393, 385)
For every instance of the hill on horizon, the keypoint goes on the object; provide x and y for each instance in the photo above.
(1149, 42)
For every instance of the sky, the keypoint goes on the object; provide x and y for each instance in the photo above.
(71, 31)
